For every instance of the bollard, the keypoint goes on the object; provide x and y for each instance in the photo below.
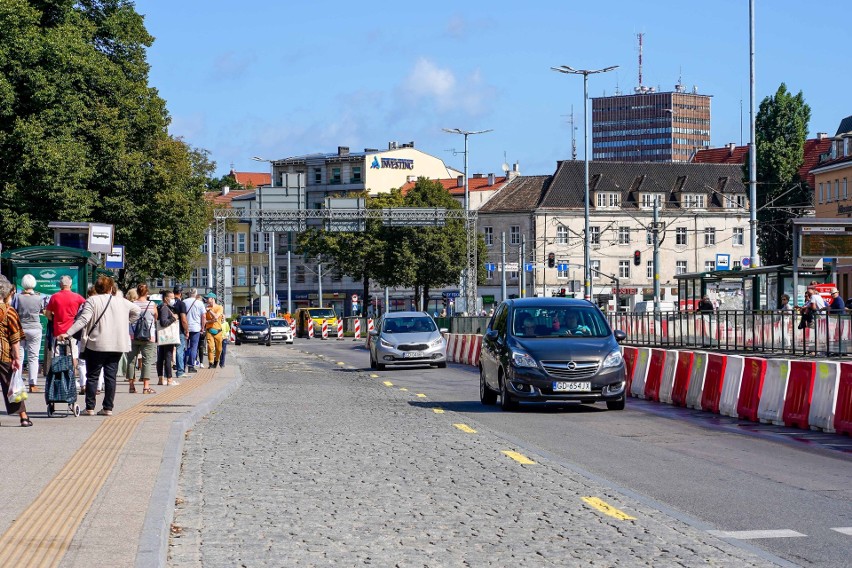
(339, 329)
(357, 329)
(325, 329)
(310, 328)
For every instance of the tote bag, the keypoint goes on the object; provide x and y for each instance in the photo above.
(169, 335)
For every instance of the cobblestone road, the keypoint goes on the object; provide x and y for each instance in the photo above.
(311, 464)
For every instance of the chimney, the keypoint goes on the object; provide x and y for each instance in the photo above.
(391, 145)
(516, 171)
(460, 181)
(822, 135)
(731, 147)
(490, 179)
(225, 189)
(343, 150)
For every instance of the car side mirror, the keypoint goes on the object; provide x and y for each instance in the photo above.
(619, 335)
(492, 335)
(444, 330)
(374, 332)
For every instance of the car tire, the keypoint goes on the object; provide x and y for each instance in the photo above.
(268, 342)
(442, 365)
(380, 366)
(486, 396)
(506, 401)
(616, 404)
(237, 342)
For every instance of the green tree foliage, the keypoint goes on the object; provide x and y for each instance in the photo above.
(781, 130)
(83, 137)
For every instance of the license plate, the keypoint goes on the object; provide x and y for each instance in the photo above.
(412, 354)
(563, 386)
(251, 335)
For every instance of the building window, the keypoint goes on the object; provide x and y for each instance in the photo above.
(837, 189)
(255, 275)
(159, 283)
(255, 242)
(680, 267)
(624, 269)
(231, 245)
(650, 271)
(737, 265)
(562, 235)
(595, 266)
(204, 245)
(601, 200)
(739, 235)
(317, 175)
(692, 201)
(489, 235)
(821, 193)
(560, 264)
(266, 242)
(513, 275)
(648, 200)
(709, 265)
(356, 174)
(489, 274)
(740, 201)
(614, 200)
(241, 242)
(845, 194)
(193, 279)
(709, 236)
(515, 235)
(241, 276)
(595, 235)
(300, 274)
(611, 200)
(624, 235)
(680, 236)
(335, 175)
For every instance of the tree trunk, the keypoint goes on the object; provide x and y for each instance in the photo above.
(425, 303)
(365, 295)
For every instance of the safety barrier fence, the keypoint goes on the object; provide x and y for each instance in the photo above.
(774, 332)
(459, 324)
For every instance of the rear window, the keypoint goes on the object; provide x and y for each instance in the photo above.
(415, 324)
(559, 321)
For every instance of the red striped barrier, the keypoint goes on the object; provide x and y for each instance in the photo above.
(475, 348)
(800, 392)
(655, 374)
(310, 328)
(843, 410)
(824, 401)
(682, 374)
(713, 382)
(462, 349)
(357, 329)
(451, 347)
(339, 329)
(325, 329)
(754, 373)
(630, 354)
(370, 326)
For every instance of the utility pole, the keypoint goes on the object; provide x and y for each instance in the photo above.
(319, 279)
(656, 234)
(503, 265)
(522, 267)
(289, 287)
(752, 150)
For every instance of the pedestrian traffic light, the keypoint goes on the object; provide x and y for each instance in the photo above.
(562, 292)
(637, 258)
(444, 300)
(551, 260)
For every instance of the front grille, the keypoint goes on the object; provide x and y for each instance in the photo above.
(581, 370)
(413, 347)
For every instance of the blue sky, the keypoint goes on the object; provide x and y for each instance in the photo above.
(276, 79)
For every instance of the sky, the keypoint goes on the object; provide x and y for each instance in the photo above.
(275, 79)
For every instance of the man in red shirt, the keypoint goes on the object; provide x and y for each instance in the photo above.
(62, 308)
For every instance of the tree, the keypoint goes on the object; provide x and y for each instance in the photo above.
(781, 128)
(84, 137)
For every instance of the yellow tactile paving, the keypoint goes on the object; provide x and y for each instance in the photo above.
(42, 534)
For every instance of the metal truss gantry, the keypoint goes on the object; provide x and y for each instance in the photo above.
(298, 220)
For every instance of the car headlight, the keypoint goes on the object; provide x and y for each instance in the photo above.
(521, 359)
(614, 359)
(384, 343)
(436, 342)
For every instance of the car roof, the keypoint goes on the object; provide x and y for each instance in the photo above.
(391, 315)
(546, 302)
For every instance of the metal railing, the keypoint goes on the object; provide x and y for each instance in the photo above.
(739, 331)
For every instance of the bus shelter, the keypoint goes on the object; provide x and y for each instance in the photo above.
(48, 264)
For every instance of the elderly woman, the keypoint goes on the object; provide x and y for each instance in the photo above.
(106, 318)
(29, 307)
(11, 335)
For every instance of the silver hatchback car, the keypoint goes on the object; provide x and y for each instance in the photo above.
(407, 338)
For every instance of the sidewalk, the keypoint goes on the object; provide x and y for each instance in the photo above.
(99, 491)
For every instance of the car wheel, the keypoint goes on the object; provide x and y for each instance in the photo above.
(380, 366)
(616, 404)
(442, 365)
(506, 400)
(486, 396)
(237, 342)
(268, 342)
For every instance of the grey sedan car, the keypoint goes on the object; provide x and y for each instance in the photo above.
(407, 338)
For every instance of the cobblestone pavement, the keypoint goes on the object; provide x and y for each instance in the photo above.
(312, 464)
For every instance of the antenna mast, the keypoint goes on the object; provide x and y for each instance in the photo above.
(573, 136)
(639, 35)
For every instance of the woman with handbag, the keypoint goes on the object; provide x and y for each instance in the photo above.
(214, 317)
(144, 342)
(11, 335)
(166, 319)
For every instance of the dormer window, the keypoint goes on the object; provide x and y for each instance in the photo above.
(649, 198)
(693, 201)
(608, 200)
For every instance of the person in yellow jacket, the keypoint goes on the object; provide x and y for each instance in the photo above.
(213, 319)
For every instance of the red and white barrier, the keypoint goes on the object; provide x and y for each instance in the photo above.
(696, 380)
(655, 375)
(800, 390)
(731, 386)
(843, 408)
(475, 348)
(339, 329)
(770, 410)
(325, 329)
(451, 346)
(713, 381)
(357, 329)
(232, 336)
(824, 399)
(751, 388)
(667, 382)
(637, 387)
(310, 328)
(631, 355)
(370, 326)
(683, 372)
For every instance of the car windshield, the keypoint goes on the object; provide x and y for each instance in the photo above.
(278, 323)
(414, 324)
(559, 321)
(253, 321)
(322, 313)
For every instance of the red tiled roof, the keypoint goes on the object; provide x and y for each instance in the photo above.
(813, 148)
(218, 199)
(252, 179)
(473, 184)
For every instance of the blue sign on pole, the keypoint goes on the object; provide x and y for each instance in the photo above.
(490, 266)
(562, 266)
(115, 259)
(529, 266)
(723, 261)
(746, 262)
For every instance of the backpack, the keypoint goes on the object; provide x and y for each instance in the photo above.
(142, 327)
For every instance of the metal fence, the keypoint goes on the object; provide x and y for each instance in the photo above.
(729, 330)
(456, 324)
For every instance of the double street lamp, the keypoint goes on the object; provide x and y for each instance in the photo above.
(587, 276)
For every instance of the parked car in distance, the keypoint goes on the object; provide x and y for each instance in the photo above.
(253, 329)
(318, 315)
(280, 330)
(407, 338)
(541, 349)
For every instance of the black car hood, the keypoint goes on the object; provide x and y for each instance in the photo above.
(566, 348)
(252, 328)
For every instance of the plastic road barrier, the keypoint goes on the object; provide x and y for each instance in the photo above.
(357, 329)
(696, 380)
(475, 348)
(339, 329)
(310, 328)
(824, 399)
(843, 409)
(462, 350)
(751, 389)
(451, 346)
(771, 407)
(630, 354)
(669, 369)
(370, 326)
(325, 329)
(713, 380)
(800, 391)
(655, 375)
(637, 387)
(683, 371)
(731, 386)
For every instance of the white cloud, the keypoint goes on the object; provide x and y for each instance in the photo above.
(428, 83)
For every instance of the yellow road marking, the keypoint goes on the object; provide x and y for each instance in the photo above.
(374, 376)
(438, 410)
(341, 363)
(608, 509)
(388, 384)
(421, 395)
(404, 389)
(465, 428)
(520, 458)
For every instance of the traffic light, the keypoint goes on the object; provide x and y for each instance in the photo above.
(637, 258)
(562, 292)
(444, 300)
(551, 260)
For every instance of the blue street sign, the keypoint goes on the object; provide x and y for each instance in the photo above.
(490, 266)
(562, 266)
(723, 261)
(529, 266)
(115, 259)
(450, 294)
(746, 262)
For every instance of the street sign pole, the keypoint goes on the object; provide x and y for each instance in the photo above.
(503, 265)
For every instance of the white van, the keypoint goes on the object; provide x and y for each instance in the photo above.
(648, 307)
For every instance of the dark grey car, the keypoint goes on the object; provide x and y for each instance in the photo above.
(538, 349)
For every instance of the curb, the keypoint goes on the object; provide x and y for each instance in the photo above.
(154, 541)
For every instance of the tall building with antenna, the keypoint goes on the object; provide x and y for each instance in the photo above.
(650, 125)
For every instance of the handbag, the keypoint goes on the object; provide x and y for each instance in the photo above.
(169, 335)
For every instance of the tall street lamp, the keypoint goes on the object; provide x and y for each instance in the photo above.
(470, 302)
(273, 292)
(587, 274)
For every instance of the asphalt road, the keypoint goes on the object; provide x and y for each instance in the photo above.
(716, 473)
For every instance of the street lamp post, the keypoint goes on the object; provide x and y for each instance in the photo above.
(273, 292)
(586, 238)
(466, 277)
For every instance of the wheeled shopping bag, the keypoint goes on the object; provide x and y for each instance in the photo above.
(60, 383)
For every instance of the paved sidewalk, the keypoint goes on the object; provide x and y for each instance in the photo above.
(94, 490)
